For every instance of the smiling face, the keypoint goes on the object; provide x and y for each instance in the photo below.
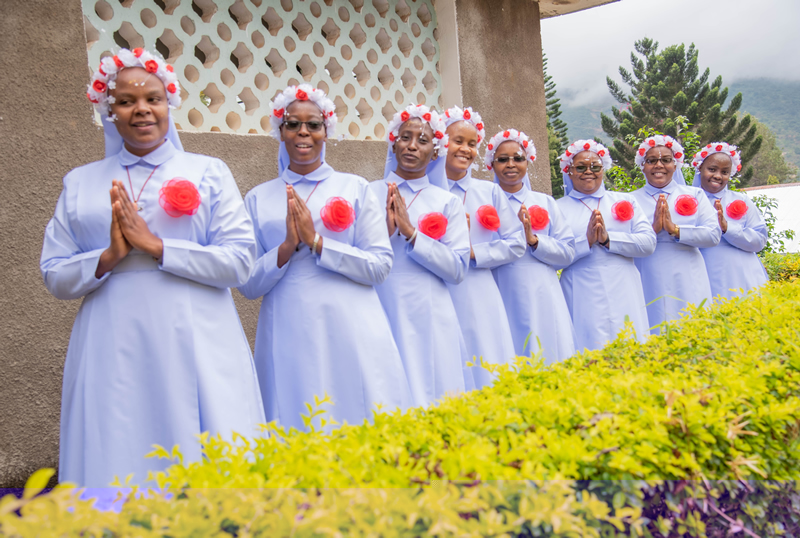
(511, 173)
(304, 146)
(142, 110)
(657, 172)
(462, 149)
(414, 148)
(584, 180)
(715, 172)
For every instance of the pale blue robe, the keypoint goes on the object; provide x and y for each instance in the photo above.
(602, 286)
(537, 311)
(415, 297)
(675, 275)
(477, 299)
(157, 354)
(321, 327)
(733, 264)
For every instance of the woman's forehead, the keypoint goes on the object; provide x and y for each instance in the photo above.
(416, 124)
(304, 108)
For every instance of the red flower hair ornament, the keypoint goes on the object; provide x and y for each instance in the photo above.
(105, 78)
(337, 214)
(622, 210)
(525, 144)
(487, 216)
(736, 209)
(454, 114)
(540, 218)
(434, 225)
(425, 115)
(302, 92)
(686, 205)
(179, 196)
(566, 158)
(719, 147)
(660, 140)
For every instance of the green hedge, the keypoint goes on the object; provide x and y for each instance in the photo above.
(695, 432)
(781, 267)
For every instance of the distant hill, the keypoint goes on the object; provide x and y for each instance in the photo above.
(776, 103)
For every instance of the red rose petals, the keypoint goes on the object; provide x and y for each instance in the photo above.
(540, 218)
(337, 214)
(686, 205)
(179, 197)
(434, 225)
(622, 210)
(736, 209)
(488, 217)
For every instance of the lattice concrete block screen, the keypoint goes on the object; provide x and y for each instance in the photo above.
(372, 56)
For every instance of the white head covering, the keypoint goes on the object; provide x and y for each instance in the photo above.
(509, 135)
(669, 143)
(712, 148)
(566, 158)
(436, 172)
(105, 79)
(302, 92)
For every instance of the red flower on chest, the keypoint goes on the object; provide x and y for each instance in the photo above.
(487, 216)
(337, 214)
(622, 210)
(736, 209)
(540, 218)
(179, 197)
(434, 225)
(686, 205)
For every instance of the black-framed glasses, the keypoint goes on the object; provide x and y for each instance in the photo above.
(294, 125)
(581, 168)
(664, 160)
(504, 159)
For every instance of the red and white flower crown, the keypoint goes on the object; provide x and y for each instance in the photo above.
(660, 140)
(105, 78)
(566, 158)
(427, 115)
(452, 115)
(509, 135)
(302, 92)
(719, 147)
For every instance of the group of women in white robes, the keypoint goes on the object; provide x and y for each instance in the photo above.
(377, 295)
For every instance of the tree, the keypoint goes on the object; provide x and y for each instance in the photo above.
(770, 165)
(666, 84)
(557, 136)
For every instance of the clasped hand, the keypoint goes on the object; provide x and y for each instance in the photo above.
(723, 222)
(397, 214)
(596, 231)
(299, 227)
(662, 219)
(525, 218)
(128, 231)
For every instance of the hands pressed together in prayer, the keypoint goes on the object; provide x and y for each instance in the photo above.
(596, 231)
(723, 222)
(525, 218)
(469, 227)
(299, 227)
(662, 220)
(397, 214)
(128, 231)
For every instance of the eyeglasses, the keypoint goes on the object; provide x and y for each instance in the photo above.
(294, 125)
(504, 159)
(581, 168)
(664, 161)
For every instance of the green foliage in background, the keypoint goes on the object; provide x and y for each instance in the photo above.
(765, 204)
(770, 167)
(781, 267)
(695, 432)
(665, 84)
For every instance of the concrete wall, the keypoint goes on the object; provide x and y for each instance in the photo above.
(46, 129)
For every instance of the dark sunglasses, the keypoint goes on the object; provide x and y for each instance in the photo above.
(504, 159)
(294, 125)
(653, 162)
(581, 168)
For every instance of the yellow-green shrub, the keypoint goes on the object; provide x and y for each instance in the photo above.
(694, 432)
(781, 266)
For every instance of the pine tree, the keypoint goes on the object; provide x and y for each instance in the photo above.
(666, 84)
(557, 136)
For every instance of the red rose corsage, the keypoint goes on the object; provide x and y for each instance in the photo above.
(337, 214)
(179, 197)
(622, 210)
(686, 205)
(434, 225)
(487, 216)
(736, 209)
(540, 218)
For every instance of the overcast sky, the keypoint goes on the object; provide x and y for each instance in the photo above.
(735, 38)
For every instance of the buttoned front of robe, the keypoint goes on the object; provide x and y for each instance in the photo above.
(321, 327)
(157, 354)
(415, 296)
(534, 301)
(477, 299)
(733, 264)
(602, 286)
(675, 275)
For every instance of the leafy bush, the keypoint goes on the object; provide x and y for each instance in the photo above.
(695, 432)
(781, 267)
(765, 204)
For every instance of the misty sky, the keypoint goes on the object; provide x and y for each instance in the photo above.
(735, 38)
